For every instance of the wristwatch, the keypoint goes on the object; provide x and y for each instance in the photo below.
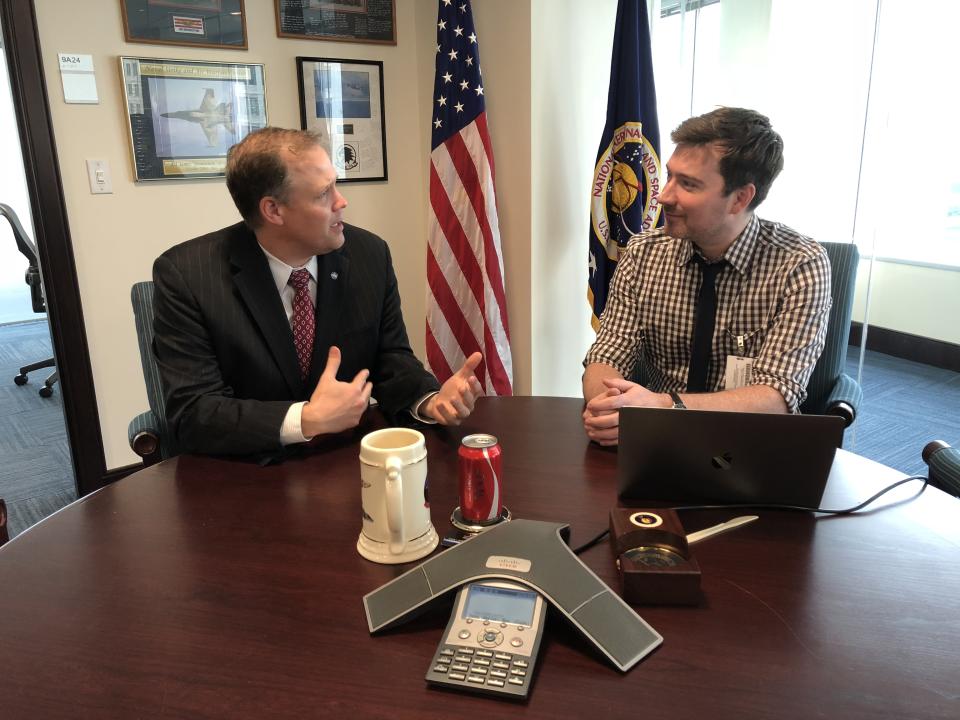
(677, 402)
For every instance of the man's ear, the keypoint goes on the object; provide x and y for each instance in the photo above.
(271, 210)
(742, 197)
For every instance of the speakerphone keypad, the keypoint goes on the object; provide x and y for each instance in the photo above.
(484, 667)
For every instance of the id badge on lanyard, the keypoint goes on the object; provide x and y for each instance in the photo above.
(739, 372)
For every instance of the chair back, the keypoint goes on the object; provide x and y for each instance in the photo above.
(28, 249)
(141, 296)
(844, 260)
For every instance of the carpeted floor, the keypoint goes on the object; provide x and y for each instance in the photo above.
(36, 475)
(906, 404)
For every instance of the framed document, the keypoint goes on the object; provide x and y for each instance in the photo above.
(365, 21)
(184, 115)
(200, 23)
(342, 101)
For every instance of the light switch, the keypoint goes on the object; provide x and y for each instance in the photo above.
(98, 172)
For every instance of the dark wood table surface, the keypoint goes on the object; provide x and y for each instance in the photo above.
(207, 588)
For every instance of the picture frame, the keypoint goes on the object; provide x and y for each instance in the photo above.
(183, 115)
(196, 23)
(361, 21)
(342, 101)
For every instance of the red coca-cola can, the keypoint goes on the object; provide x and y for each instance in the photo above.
(481, 473)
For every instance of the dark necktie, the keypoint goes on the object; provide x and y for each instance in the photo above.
(704, 322)
(302, 322)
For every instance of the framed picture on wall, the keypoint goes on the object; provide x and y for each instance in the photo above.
(342, 101)
(365, 21)
(184, 115)
(200, 23)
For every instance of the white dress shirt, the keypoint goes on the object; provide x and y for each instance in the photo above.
(291, 431)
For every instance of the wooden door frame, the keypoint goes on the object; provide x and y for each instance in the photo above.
(52, 235)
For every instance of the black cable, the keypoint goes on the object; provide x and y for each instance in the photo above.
(590, 543)
(742, 506)
(845, 511)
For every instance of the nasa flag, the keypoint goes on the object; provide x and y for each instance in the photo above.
(626, 178)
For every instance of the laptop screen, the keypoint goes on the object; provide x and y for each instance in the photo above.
(706, 456)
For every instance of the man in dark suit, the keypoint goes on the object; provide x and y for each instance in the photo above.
(277, 330)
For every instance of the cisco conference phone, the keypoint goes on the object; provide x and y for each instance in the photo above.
(491, 642)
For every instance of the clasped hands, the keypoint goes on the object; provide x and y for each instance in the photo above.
(335, 406)
(601, 416)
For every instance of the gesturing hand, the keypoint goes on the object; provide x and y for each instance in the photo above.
(455, 400)
(334, 405)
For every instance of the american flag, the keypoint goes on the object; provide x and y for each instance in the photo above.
(466, 303)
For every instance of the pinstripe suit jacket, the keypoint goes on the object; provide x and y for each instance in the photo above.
(225, 350)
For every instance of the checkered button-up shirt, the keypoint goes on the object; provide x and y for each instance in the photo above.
(773, 303)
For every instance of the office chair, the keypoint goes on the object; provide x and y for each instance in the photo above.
(944, 464)
(829, 391)
(33, 279)
(4, 537)
(149, 436)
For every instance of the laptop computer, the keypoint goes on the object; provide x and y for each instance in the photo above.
(711, 457)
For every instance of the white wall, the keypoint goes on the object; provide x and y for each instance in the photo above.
(570, 65)
(912, 299)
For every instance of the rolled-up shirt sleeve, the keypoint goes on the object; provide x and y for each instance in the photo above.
(796, 336)
(620, 334)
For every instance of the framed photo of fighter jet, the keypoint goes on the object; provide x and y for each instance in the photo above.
(184, 115)
(200, 23)
(342, 101)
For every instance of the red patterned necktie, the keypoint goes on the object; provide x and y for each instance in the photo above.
(302, 322)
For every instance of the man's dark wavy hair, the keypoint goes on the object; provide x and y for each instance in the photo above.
(753, 150)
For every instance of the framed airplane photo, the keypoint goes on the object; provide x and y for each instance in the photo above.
(183, 115)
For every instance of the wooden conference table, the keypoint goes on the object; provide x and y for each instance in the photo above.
(205, 588)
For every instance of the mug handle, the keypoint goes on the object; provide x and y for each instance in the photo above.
(394, 488)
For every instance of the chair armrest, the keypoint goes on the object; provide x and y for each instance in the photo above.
(944, 463)
(144, 437)
(844, 399)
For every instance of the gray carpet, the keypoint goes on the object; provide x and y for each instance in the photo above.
(36, 475)
(906, 405)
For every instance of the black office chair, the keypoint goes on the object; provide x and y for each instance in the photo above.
(944, 464)
(33, 279)
(830, 390)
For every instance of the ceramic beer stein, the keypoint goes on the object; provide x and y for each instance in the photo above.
(396, 512)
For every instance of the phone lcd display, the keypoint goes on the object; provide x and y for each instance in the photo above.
(485, 602)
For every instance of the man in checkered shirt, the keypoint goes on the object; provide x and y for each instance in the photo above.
(772, 288)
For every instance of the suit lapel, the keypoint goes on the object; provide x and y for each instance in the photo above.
(255, 284)
(333, 271)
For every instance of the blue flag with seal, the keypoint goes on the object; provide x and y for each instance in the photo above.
(626, 178)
